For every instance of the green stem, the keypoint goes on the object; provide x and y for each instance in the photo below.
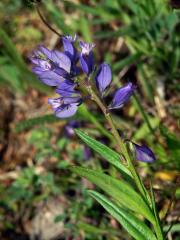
(157, 224)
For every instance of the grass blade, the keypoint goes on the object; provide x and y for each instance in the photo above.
(107, 153)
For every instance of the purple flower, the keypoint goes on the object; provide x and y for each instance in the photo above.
(122, 96)
(143, 153)
(103, 77)
(69, 48)
(48, 77)
(51, 67)
(65, 107)
(86, 57)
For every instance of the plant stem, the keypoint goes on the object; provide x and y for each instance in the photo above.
(121, 146)
(157, 224)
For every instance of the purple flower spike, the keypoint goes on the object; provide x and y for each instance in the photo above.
(103, 77)
(144, 154)
(122, 96)
(86, 57)
(69, 48)
(65, 107)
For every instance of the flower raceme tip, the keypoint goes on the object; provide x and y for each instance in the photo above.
(60, 70)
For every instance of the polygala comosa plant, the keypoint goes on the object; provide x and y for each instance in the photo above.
(77, 78)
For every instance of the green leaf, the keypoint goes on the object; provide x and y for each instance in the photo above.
(27, 77)
(131, 223)
(89, 228)
(126, 61)
(29, 123)
(111, 156)
(119, 190)
(10, 74)
(143, 130)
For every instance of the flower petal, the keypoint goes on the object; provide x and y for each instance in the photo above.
(103, 77)
(87, 63)
(84, 65)
(66, 88)
(86, 48)
(50, 78)
(122, 96)
(66, 111)
(70, 100)
(86, 57)
(143, 153)
(68, 47)
(62, 60)
(46, 52)
(65, 106)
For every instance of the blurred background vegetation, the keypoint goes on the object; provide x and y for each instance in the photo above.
(39, 197)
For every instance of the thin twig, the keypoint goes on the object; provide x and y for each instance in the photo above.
(44, 20)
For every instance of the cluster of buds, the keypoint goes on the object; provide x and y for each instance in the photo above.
(61, 70)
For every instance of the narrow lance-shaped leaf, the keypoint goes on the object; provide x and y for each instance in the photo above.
(111, 156)
(119, 190)
(131, 223)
